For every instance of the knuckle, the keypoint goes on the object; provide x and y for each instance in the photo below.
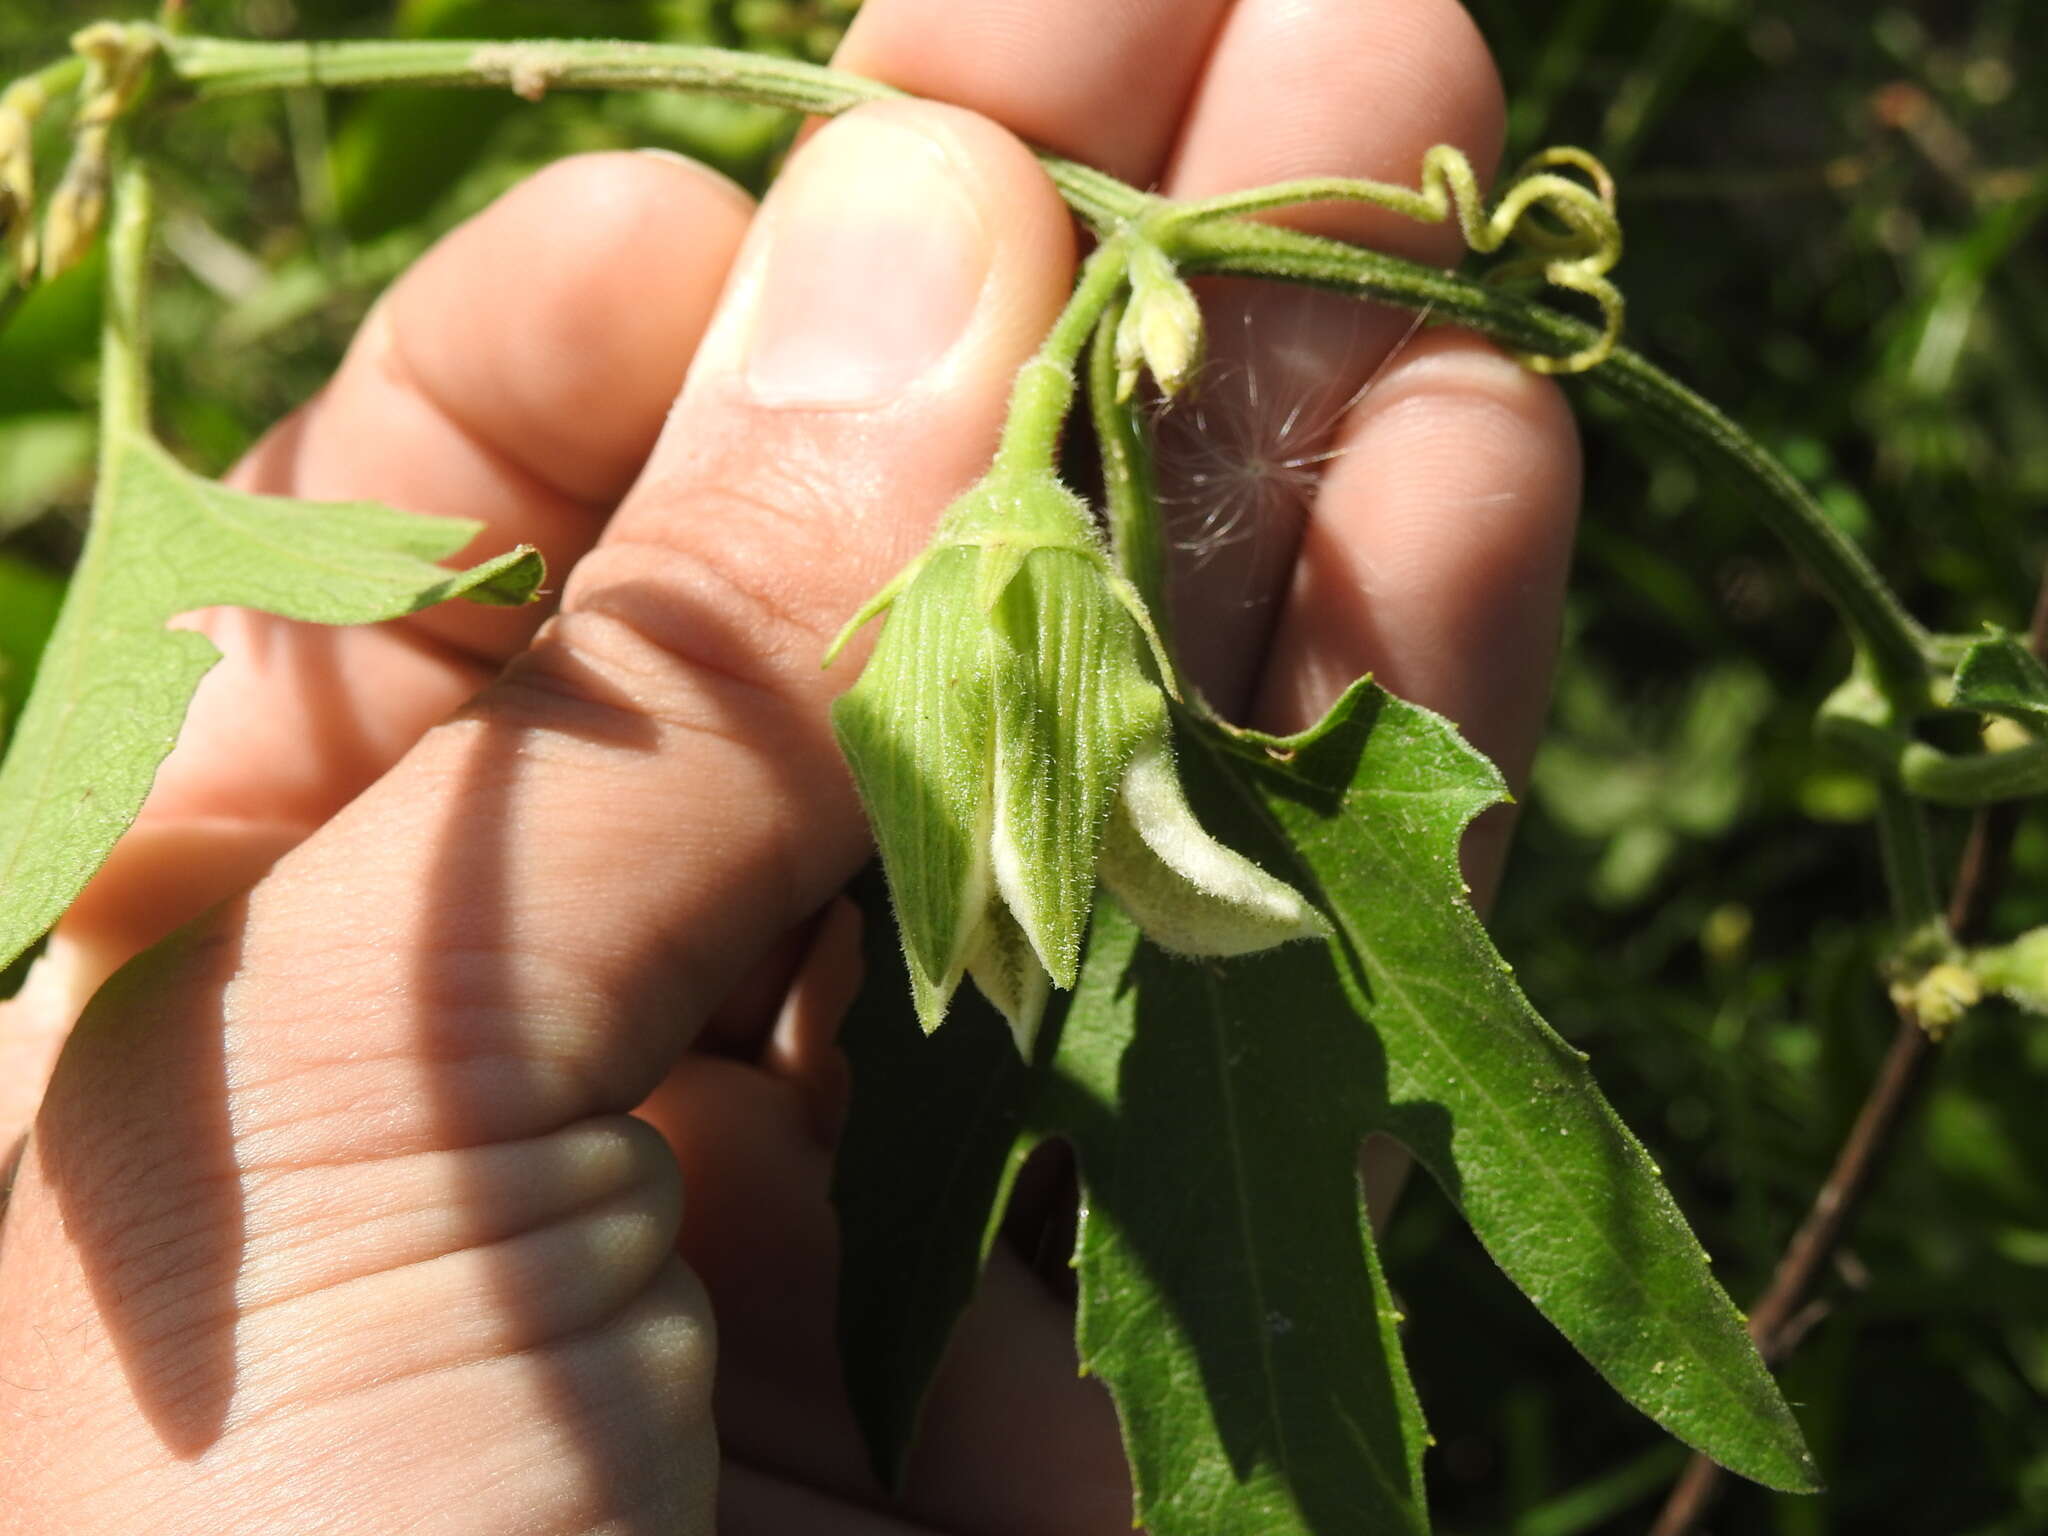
(741, 580)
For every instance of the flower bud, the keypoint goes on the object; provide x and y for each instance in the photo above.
(1161, 328)
(1008, 738)
(1188, 892)
(77, 207)
(118, 57)
(1942, 996)
(20, 105)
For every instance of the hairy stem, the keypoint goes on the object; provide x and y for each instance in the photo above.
(1945, 778)
(124, 330)
(1976, 779)
(1044, 391)
(1127, 487)
(224, 67)
(1908, 861)
(1899, 647)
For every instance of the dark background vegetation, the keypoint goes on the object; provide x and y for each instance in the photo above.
(1833, 219)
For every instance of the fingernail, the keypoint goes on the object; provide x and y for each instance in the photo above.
(876, 257)
(709, 173)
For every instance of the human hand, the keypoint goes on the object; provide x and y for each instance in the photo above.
(338, 1214)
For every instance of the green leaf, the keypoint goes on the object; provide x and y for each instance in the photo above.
(1998, 675)
(114, 683)
(1231, 1296)
(924, 1162)
(1458, 1067)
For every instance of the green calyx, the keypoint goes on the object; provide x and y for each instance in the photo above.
(1011, 716)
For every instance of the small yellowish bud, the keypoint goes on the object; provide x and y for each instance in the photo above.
(78, 207)
(1161, 329)
(2003, 735)
(118, 56)
(20, 105)
(1939, 996)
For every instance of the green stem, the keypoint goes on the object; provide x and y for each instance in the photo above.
(1908, 861)
(1128, 492)
(1926, 772)
(225, 67)
(124, 328)
(54, 81)
(1898, 645)
(1979, 779)
(1044, 391)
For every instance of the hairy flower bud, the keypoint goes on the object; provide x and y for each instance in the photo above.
(118, 57)
(1008, 740)
(1161, 327)
(78, 207)
(20, 105)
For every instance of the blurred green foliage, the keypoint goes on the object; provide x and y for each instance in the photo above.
(1833, 223)
(1833, 215)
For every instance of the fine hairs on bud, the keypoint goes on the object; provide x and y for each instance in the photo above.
(1244, 449)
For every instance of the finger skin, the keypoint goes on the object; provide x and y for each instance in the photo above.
(1105, 81)
(1300, 88)
(766, 621)
(510, 936)
(517, 375)
(1437, 556)
(1009, 1403)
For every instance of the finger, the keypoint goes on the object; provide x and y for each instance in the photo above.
(516, 930)
(1436, 558)
(518, 376)
(761, 1232)
(520, 373)
(1102, 83)
(1105, 84)
(1337, 88)
(1436, 562)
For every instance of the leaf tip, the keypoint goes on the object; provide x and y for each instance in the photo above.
(511, 580)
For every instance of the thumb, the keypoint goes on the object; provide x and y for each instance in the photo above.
(652, 793)
(428, 1009)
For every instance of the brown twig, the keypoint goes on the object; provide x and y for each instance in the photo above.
(1780, 1318)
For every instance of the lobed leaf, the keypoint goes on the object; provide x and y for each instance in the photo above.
(1501, 1111)
(1998, 675)
(113, 682)
(1231, 1294)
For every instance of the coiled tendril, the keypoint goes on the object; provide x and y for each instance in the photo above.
(1567, 230)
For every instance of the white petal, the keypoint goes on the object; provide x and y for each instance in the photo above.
(1006, 864)
(1186, 890)
(1006, 968)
